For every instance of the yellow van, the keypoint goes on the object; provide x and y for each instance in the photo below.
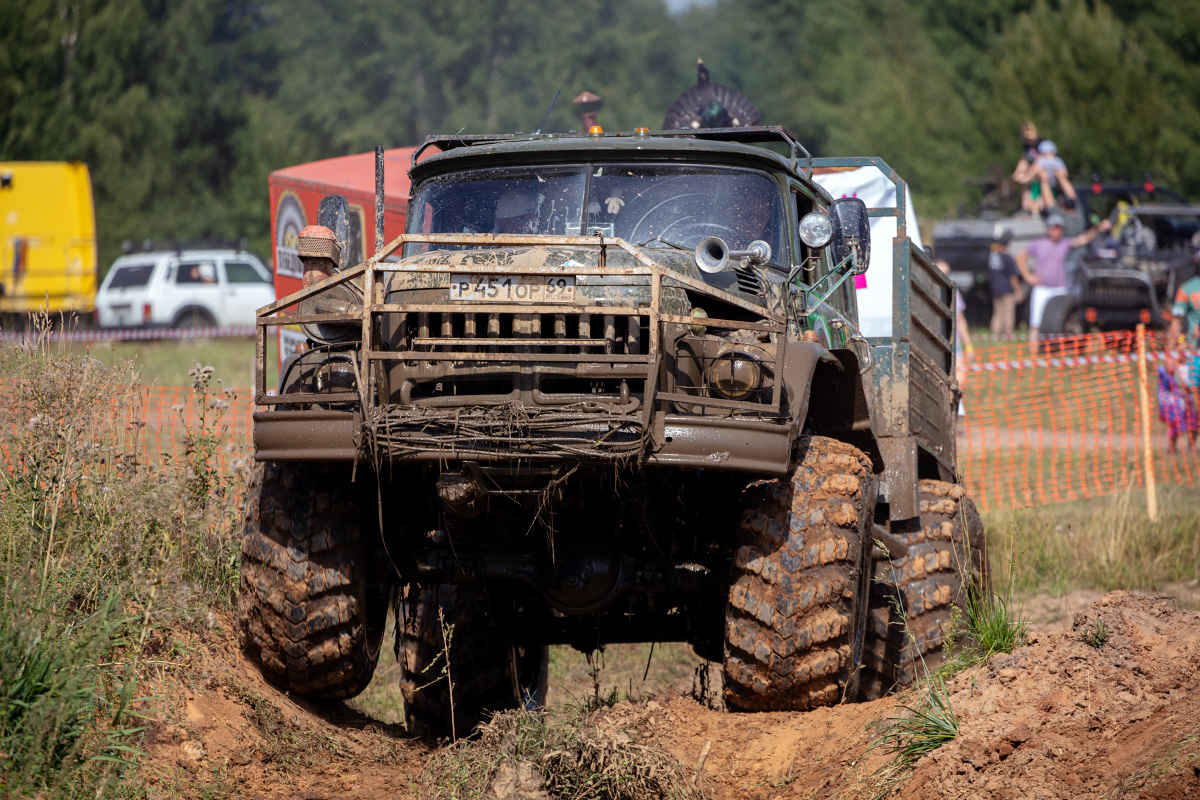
(47, 239)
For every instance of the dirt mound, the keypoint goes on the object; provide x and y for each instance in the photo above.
(1065, 718)
(220, 730)
(1059, 718)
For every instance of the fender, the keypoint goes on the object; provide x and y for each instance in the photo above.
(839, 408)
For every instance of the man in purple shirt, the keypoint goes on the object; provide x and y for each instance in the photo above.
(1049, 275)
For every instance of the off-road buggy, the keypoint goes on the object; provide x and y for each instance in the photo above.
(1132, 275)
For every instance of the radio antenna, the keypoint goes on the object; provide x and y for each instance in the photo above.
(548, 110)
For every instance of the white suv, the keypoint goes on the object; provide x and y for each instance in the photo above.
(184, 289)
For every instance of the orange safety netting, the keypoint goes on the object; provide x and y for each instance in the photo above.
(1061, 425)
(171, 412)
(1065, 424)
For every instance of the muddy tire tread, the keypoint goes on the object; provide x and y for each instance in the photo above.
(480, 662)
(301, 611)
(792, 604)
(928, 584)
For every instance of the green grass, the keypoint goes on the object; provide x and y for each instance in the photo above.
(98, 545)
(1103, 543)
(927, 726)
(166, 362)
(618, 673)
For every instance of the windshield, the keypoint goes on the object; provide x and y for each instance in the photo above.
(664, 206)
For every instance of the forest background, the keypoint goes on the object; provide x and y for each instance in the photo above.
(181, 108)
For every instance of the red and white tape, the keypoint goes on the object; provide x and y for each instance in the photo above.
(130, 334)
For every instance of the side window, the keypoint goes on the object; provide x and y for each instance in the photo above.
(243, 272)
(196, 272)
(130, 275)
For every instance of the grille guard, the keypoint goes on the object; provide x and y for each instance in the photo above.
(575, 430)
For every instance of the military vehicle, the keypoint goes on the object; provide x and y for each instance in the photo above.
(608, 387)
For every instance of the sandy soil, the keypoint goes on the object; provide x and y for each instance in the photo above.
(1058, 718)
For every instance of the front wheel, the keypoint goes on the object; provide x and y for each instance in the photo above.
(797, 608)
(1061, 317)
(315, 589)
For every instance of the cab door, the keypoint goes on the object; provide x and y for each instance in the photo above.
(246, 286)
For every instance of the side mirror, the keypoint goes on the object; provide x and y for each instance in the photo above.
(851, 232)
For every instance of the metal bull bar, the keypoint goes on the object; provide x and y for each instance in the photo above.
(473, 428)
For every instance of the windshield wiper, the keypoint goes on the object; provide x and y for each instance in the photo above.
(667, 242)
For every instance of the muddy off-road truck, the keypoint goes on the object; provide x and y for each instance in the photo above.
(607, 388)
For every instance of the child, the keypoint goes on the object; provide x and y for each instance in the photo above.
(1175, 408)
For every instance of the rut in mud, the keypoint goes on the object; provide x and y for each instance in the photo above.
(1058, 718)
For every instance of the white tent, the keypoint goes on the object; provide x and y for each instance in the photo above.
(875, 287)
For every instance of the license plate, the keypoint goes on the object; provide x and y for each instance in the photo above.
(531, 289)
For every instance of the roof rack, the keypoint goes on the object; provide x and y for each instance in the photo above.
(176, 245)
(763, 134)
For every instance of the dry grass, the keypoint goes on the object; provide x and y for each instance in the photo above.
(98, 546)
(1103, 543)
(569, 752)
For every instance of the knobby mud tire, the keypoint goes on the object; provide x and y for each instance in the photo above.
(488, 671)
(796, 612)
(914, 599)
(314, 588)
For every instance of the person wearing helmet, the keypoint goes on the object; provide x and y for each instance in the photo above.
(516, 211)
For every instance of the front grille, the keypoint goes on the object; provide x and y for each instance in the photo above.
(518, 333)
(1116, 293)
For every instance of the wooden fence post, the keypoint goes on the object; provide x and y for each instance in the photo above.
(1144, 409)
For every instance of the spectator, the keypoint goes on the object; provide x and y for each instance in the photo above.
(1050, 175)
(1176, 408)
(1025, 173)
(1006, 285)
(964, 349)
(1049, 278)
(1185, 326)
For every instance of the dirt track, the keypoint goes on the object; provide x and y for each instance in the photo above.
(1056, 719)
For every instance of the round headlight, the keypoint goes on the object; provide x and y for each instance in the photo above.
(816, 229)
(735, 375)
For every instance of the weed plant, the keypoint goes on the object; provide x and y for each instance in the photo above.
(926, 727)
(97, 545)
(576, 752)
(1096, 634)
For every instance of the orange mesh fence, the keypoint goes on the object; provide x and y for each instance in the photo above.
(172, 413)
(161, 421)
(1065, 424)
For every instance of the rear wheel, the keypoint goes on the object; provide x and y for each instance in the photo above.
(913, 599)
(487, 671)
(796, 612)
(315, 590)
